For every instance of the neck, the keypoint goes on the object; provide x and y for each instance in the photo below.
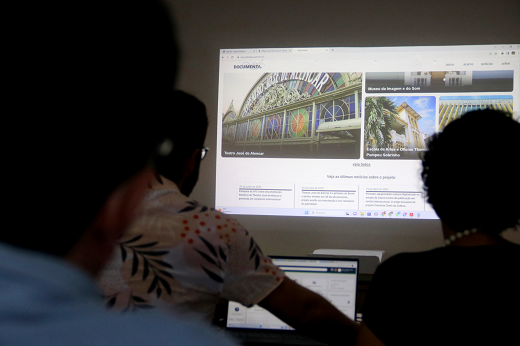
(470, 238)
(162, 182)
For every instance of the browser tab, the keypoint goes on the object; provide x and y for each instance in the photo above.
(276, 50)
(311, 50)
(235, 51)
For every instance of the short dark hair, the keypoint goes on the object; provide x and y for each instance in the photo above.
(186, 126)
(104, 73)
(470, 172)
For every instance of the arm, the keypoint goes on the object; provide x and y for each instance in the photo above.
(367, 338)
(310, 314)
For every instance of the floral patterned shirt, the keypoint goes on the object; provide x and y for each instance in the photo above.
(184, 257)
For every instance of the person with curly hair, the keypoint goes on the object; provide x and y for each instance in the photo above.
(466, 292)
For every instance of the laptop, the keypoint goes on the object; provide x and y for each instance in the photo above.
(333, 278)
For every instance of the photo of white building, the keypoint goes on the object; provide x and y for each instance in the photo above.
(406, 132)
(398, 127)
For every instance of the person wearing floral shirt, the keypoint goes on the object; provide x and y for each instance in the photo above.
(184, 257)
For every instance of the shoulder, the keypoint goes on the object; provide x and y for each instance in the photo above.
(158, 329)
(398, 270)
(393, 277)
(413, 260)
(144, 329)
(403, 261)
(173, 204)
(169, 198)
(393, 292)
(68, 311)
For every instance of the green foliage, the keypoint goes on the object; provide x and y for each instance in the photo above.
(379, 116)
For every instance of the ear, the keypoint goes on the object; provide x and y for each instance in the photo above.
(97, 243)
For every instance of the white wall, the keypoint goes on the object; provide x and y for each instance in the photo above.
(205, 26)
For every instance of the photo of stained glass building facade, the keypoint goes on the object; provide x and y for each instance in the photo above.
(308, 115)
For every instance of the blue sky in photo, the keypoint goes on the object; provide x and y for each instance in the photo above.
(477, 97)
(500, 74)
(425, 106)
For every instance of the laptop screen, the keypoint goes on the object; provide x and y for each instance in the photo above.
(333, 278)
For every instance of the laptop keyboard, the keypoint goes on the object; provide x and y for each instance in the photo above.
(271, 337)
(267, 335)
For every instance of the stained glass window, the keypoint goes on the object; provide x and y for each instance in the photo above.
(337, 110)
(241, 131)
(255, 130)
(273, 126)
(229, 132)
(297, 122)
(289, 122)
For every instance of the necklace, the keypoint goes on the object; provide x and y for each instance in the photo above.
(459, 235)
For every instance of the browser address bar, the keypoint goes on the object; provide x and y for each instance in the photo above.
(305, 268)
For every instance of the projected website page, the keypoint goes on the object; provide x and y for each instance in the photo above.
(338, 132)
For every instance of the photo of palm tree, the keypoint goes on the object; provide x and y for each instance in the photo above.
(379, 116)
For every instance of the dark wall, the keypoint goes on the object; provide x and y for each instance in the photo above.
(206, 26)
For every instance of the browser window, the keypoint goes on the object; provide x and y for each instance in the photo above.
(338, 132)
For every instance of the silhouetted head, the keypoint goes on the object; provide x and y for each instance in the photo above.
(186, 126)
(89, 81)
(470, 172)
